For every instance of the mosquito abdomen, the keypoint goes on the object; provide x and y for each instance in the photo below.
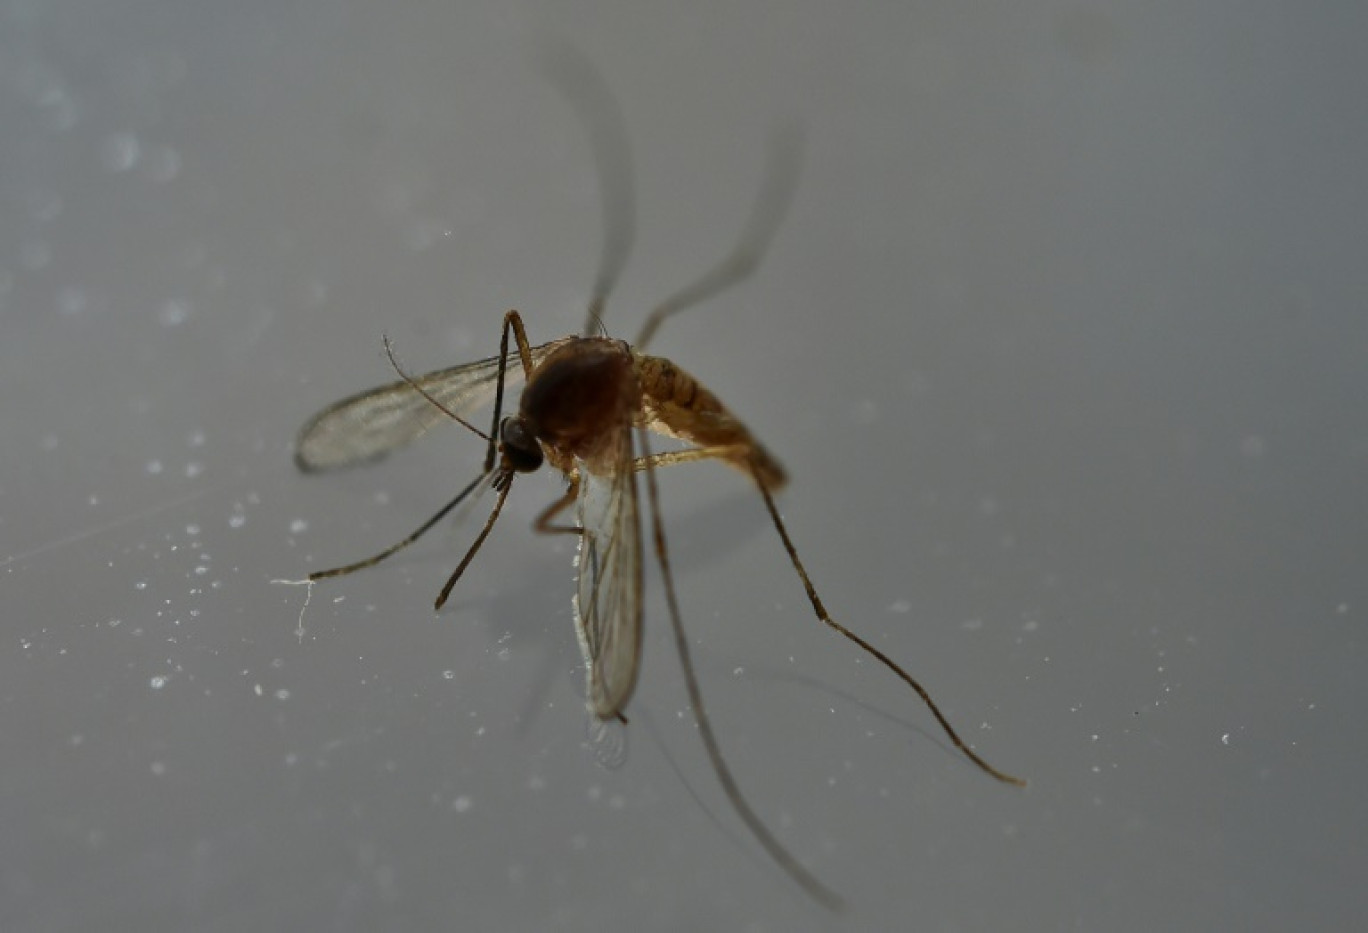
(678, 405)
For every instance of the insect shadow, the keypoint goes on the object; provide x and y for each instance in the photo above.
(588, 408)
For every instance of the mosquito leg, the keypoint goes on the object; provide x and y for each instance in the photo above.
(543, 523)
(776, 191)
(421, 530)
(512, 321)
(503, 483)
(804, 878)
(888, 662)
(746, 457)
(730, 452)
(598, 111)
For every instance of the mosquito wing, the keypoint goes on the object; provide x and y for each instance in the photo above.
(608, 593)
(371, 424)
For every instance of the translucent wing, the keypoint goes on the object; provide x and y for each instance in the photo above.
(608, 593)
(371, 424)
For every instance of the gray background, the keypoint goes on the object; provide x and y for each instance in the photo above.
(1063, 343)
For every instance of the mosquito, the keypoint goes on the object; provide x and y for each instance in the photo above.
(589, 406)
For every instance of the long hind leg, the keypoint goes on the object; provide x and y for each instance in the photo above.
(884, 659)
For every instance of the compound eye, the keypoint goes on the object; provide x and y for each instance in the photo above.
(520, 448)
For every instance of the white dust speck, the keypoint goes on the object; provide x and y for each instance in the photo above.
(422, 235)
(59, 108)
(156, 683)
(72, 300)
(462, 804)
(119, 152)
(865, 411)
(174, 312)
(901, 606)
(153, 467)
(298, 526)
(237, 521)
(158, 768)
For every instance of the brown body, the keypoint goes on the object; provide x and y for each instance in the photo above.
(587, 391)
(588, 408)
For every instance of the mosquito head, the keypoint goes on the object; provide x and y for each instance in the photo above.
(521, 452)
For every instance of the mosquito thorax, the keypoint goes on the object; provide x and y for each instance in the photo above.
(521, 452)
(575, 399)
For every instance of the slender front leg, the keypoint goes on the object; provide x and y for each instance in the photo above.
(512, 321)
(503, 482)
(418, 533)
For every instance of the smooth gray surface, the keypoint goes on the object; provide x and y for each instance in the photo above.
(1063, 343)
